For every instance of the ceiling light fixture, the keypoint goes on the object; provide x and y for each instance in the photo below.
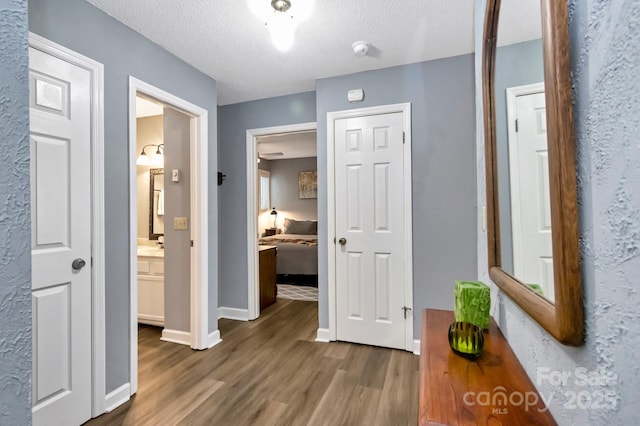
(281, 25)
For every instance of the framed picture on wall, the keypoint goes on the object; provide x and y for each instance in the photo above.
(308, 184)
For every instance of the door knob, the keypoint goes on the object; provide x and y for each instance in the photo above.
(78, 264)
(342, 241)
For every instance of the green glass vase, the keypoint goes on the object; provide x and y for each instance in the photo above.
(466, 339)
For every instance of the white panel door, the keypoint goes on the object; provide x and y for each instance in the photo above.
(531, 209)
(369, 227)
(59, 99)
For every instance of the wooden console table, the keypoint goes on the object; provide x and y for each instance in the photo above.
(490, 390)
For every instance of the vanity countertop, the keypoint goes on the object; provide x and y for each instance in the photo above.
(150, 251)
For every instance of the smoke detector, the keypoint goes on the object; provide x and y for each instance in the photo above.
(360, 48)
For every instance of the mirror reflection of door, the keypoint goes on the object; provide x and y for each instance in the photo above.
(529, 178)
(522, 164)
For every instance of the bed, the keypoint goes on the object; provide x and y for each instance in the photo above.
(297, 248)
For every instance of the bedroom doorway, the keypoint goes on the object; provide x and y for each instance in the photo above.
(281, 215)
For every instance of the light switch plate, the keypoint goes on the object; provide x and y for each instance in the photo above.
(180, 223)
(175, 175)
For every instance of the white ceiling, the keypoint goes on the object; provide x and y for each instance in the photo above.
(228, 40)
(291, 145)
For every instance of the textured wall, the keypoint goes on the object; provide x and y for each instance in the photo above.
(441, 93)
(604, 36)
(15, 217)
(235, 120)
(79, 26)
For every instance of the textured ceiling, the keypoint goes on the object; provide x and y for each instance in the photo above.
(228, 41)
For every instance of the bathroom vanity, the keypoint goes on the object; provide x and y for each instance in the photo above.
(151, 285)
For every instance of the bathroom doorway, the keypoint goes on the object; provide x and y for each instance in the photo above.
(168, 211)
(150, 211)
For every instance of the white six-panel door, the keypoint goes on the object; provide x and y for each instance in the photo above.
(531, 209)
(59, 99)
(370, 257)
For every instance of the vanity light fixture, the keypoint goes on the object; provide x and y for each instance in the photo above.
(157, 160)
(281, 25)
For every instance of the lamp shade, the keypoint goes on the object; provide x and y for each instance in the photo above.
(158, 159)
(143, 159)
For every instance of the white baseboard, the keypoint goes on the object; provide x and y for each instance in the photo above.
(416, 347)
(117, 397)
(323, 335)
(176, 336)
(213, 339)
(233, 314)
(154, 320)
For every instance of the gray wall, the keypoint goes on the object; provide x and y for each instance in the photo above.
(516, 65)
(149, 131)
(441, 93)
(604, 40)
(284, 190)
(177, 255)
(235, 120)
(78, 25)
(15, 217)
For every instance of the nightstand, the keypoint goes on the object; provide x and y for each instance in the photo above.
(269, 232)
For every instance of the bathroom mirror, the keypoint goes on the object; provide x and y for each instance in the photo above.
(532, 220)
(156, 203)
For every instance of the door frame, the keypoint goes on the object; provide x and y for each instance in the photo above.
(512, 93)
(199, 159)
(253, 281)
(96, 71)
(405, 109)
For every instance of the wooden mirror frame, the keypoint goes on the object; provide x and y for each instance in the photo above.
(152, 208)
(564, 320)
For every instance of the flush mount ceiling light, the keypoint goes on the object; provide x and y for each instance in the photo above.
(281, 5)
(281, 25)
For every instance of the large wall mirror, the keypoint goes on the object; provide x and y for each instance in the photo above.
(532, 220)
(156, 203)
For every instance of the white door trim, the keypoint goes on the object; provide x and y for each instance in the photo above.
(514, 169)
(199, 216)
(405, 109)
(96, 70)
(253, 288)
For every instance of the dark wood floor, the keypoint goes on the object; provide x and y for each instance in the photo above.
(270, 372)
